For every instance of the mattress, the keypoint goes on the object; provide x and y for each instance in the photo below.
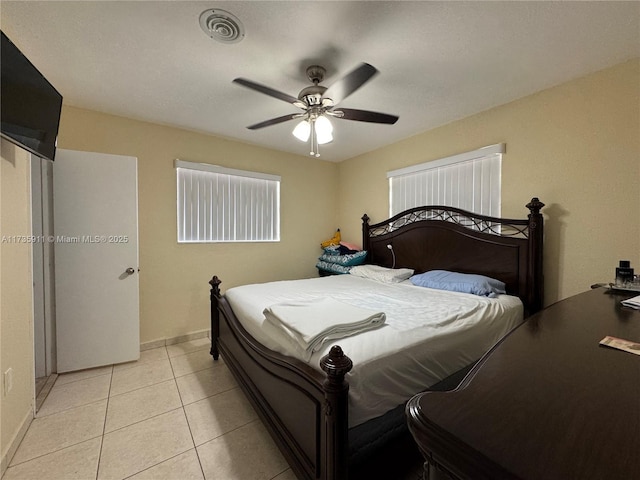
(427, 336)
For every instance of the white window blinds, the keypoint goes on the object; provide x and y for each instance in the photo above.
(217, 204)
(470, 181)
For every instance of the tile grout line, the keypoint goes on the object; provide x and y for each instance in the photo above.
(104, 425)
(72, 407)
(151, 384)
(68, 446)
(184, 412)
(230, 431)
(147, 386)
(140, 388)
(278, 474)
(51, 453)
(196, 349)
(191, 371)
(140, 421)
(112, 371)
(62, 375)
(45, 391)
(151, 466)
(194, 371)
(195, 448)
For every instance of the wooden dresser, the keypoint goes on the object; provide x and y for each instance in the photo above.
(546, 403)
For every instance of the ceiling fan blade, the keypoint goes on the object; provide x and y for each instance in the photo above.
(351, 82)
(266, 90)
(274, 121)
(367, 116)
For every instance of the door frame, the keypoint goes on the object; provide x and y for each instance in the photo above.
(43, 267)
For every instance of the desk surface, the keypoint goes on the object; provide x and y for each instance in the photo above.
(546, 403)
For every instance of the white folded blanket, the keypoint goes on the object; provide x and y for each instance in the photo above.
(633, 302)
(308, 324)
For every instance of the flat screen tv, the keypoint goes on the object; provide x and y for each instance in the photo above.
(30, 105)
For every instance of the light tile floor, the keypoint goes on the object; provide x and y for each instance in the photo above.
(173, 414)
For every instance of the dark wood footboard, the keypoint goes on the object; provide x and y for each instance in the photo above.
(305, 411)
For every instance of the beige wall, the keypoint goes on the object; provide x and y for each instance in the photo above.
(575, 146)
(173, 278)
(16, 296)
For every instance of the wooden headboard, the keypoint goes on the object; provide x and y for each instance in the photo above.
(446, 238)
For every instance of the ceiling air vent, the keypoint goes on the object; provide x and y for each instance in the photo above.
(221, 25)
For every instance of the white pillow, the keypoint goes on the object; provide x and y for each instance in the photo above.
(381, 274)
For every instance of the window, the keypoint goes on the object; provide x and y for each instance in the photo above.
(470, 181)
(217, 204)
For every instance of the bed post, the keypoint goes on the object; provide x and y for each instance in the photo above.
(336, 413)
(215, 316)
(365, 232)
(536, 235)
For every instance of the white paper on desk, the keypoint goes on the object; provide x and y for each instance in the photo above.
(633, 302)
(620, 344)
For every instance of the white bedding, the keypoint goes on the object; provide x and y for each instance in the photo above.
(307, 324)
(428, 334)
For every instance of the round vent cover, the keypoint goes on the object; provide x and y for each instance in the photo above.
(221, 25)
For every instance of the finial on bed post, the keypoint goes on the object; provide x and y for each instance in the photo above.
(215, 285)
(336, 365)
(534, 206)
(215, 316)
(536, 236)
(365, 234)
(336, 390)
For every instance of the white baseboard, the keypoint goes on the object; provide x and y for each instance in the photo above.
(15, 443)
(173, 340)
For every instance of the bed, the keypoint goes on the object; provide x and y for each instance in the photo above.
(306, 405)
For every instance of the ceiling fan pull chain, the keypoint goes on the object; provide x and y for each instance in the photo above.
(314, 139)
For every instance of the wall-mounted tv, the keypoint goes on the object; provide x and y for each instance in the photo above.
(30, 106)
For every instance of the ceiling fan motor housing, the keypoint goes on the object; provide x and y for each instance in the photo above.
(312, 95)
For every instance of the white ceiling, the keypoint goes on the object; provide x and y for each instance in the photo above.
(438, 61)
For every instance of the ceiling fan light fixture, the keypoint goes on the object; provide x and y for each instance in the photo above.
(323, 125)
(323, 129)
(302, 131)
(322, 139)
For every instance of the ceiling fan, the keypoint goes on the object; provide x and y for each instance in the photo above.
(319, 102)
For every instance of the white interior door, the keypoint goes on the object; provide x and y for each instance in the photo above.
(95, 200)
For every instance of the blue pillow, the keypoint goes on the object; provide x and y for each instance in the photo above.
(348, 260)
(459, 282)
(332, 267)
(331, 250)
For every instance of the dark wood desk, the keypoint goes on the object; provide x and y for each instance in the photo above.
(545, 403)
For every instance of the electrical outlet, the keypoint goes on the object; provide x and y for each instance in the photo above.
(8, 381)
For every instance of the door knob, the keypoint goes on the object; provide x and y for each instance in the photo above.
(130, 271)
